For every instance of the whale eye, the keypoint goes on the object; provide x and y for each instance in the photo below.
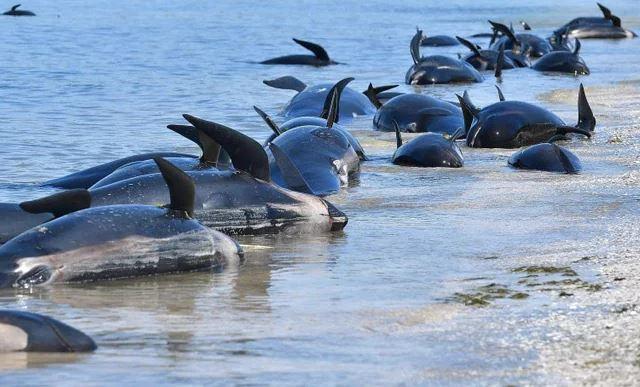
(36, 276)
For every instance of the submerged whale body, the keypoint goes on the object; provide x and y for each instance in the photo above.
(546, 157)
(30, 332)
(438, 41)
(609, 26)
(437, 68)
(14, 11)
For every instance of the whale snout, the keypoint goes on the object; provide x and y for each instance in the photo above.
(338, 218)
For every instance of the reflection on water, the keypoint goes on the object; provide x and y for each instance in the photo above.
(423, 284)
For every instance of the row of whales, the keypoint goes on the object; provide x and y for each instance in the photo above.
(166, 212)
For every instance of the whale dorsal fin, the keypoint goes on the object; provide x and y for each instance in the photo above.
(338, 87)
(398, 135)
(211, 150)
(59, 204)
(500, 95)
(525, 25)
(499, 62)
(468, 112)
(616, 21)
(246, 154)
(287, 83)
(317, 50)
(414, 46)
(182, 189)
(332, 115)
(586, 119)
(274, 127)
(576, 50)
(469, 45)
(15, 7)
(606, 12)
(290, 173)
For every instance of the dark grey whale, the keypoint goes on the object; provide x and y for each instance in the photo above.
(609, 26)
(319, 57)
(14, 11)
(429, 150)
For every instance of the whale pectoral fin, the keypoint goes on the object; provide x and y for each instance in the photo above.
(290, 173)
(274, 127)
(246, 153)
(398, 135)
(182, 189)
(59, 204)
(571, 129)
(564, 160)
(557, 137)
(414, 46)
(317, 50)
(606, 12)
(500, 62)
(469, 45)
(339, 88)
(586, 119)
(286, 83)
(500, 95)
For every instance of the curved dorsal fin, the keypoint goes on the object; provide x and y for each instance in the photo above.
(414, 46)
(500, 95)
(59, 204)
(525, 25)
(15, 7)
(182, 189)
(246, 154)
(290, 173)
(469, 45)
(586, 119)
(338, 87)
(606, 12)
(576, 50)
(211, 150)
(499, 62)
(616, 21)
(268, 121)
(332, 115)
(398, 135)
(317, 50)
(287, 83)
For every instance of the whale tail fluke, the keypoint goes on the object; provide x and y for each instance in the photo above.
(182, 189)
(59, 204)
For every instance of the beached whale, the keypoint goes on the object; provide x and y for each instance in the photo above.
(609, 26)
(563, 62)
(546, 157)
(430, 150)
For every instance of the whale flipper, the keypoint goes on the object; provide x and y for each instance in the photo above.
(290, 173)
(59, 204)
(268, 121)
(398, 135)
(182, 189)
(586, 119)
(338, 87)
(287, 83)
(317, 50)
(500, 62)
(469, 45)
(246, 154)
(500, 95)
(414, 46)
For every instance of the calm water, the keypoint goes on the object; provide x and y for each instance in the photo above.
(383, 302)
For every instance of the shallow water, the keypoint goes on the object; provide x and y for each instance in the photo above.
(431, 281)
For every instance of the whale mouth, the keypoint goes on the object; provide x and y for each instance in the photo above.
(338, 218)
